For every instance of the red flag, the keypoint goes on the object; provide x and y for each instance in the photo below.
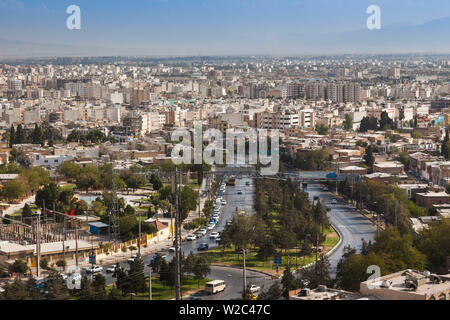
(72, 213)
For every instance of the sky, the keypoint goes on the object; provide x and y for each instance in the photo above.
(201, 27)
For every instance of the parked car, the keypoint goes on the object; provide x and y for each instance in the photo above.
(239, 192)
(94, 269)
(191, 237)
(214, 235)
(198, 234)
(218, 239)
(203, 247)
(254, 288)
(211, 226)
(224, 202)
(202, 231)
(334, 201)
(247, 183)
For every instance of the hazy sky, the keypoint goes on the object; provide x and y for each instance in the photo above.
(202, 26)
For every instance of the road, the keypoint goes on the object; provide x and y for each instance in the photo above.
(352, 226)
(232, 276)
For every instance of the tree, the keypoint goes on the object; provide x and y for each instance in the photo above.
(434, 242)
(386, 122)
(26, 211)
(288, 282)
(20, 135)
(273, 293)
(156, 182)
(319, 273)
(61, 264)
(37, 136)
(201, 268)
(19, 266)
(188, 201)
(348, 122)
(369, 159)
(445, 151)
(43, 263)
(12, 136)
(49, 194)
(322, 129)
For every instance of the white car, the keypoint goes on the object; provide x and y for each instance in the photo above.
(216, 216)
(254, 288)
(75, 276)
(214, 235)
(224, 202)
(191, 237)
(95, 269)
(334, 201)
(132, 258)
(203, 231)
(111, 269)
(211, 226)
(199, 234)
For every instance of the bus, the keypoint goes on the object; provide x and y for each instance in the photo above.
(232, 181)
(215, 286)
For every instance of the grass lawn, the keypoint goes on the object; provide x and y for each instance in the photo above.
(69, 187)
(229, 257)
(161, 292)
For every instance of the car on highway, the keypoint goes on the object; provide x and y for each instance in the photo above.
(328, 208)
(254, 288)
(203, 247)
(229, 222)
(325, 189)
(111, 269)
(247, 183)
(218, 239)
(213, 220)
(224, 202)
(216, 216)
(215, 286)
(199, 234)
(202, 231)
(214, 235)
(239, 192)
(156, 255)
(191, 237)
(334, 201)
(94, 269)
(211, 226)
(132, 258)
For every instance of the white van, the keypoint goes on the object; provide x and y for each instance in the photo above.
(215, 286)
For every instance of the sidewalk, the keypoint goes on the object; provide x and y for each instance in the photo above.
(15, 207)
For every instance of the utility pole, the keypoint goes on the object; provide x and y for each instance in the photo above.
(317, 251)
(139, 239)
(177, 241)
(38, 244)
(244, 275)
(150, 285)
(76, 244)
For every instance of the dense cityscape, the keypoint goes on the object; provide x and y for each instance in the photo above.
(93, 205)
(215, 159)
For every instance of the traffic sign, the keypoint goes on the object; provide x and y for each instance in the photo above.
(92, 259)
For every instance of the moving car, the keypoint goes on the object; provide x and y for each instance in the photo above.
(247, 183)
(215, 286)
(111, 269)
(254, 288)
(239, 192)
(214, 235)
(191, 237)
(202, 231)
(203, 247)
(224, 202)
(94, 269)
(132, 258)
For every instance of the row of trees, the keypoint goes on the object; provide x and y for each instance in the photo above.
(393, 252)
(94, 136)
(372, 123)
(308, 160)
(27, 183)
(39, 135)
